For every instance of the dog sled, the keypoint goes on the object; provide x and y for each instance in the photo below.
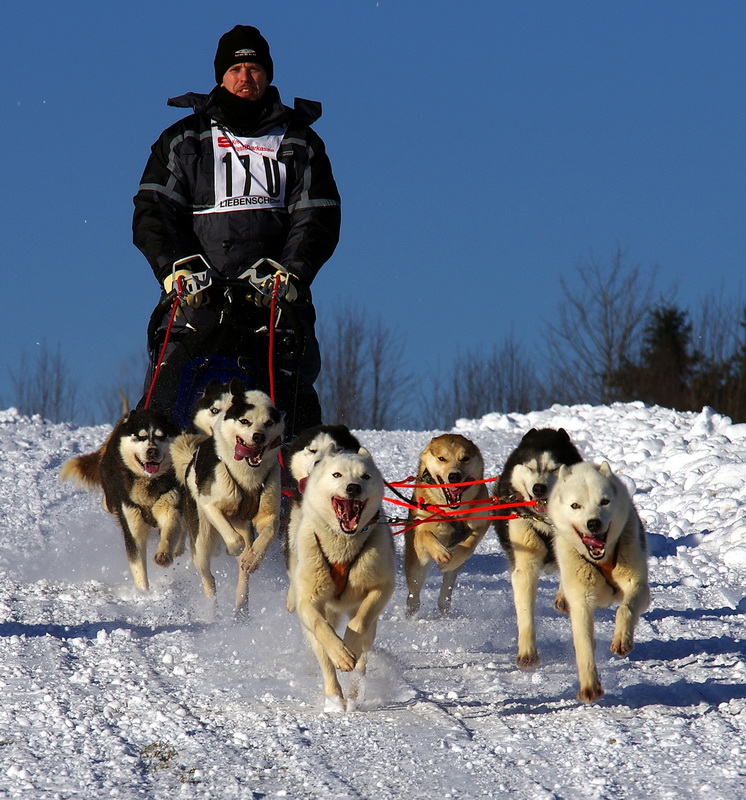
(215, 329)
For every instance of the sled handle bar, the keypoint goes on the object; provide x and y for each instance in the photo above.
(244, 286)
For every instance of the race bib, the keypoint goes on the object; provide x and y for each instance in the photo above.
(247, 172)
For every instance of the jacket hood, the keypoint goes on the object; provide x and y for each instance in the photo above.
(305, 111)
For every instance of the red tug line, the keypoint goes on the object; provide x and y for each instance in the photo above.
(437, 514)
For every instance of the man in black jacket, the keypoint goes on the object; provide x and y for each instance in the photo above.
(243, 179)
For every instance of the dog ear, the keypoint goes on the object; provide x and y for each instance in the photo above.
(236, 387)
(605, 469)
(362, 451)
(564, 471)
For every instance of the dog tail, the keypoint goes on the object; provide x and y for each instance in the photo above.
(85, 469)
(183, 450)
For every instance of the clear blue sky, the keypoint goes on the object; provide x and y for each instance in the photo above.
(482, 149)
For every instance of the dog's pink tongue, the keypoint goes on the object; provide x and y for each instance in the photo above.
(594, 544)
(242, 451)
(453, 494)
(151, 467)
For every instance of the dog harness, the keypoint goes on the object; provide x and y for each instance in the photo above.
(339, 571)
(606, 569)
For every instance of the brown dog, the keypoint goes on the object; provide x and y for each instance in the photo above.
(447, 461)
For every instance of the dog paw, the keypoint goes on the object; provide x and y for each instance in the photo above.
(343, 658)
(249, 559)
(528, 660)
(442, 555)
(333, 704)
(235, 547)
(589, 694)
(622, 645)
(163, 559)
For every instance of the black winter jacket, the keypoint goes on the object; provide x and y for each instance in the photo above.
(182, 208)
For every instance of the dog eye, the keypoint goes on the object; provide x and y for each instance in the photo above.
(214, 410)
(575, 506)
(465, 459)
(244, 421)
(336, 474)
(441, 458)
(366, 477)
(604, 501)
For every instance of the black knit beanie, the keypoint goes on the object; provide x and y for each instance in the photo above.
(242, 44)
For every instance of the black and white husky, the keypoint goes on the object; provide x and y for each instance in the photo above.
(529, 474)
(232, 480)
(211, 402)
(133, 468)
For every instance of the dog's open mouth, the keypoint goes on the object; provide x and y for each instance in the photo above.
(452, 494)
(595, 544)
(252, 454)
(348, 511)
(151, 467)
(539, 506)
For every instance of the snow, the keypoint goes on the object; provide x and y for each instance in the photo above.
(110, 693)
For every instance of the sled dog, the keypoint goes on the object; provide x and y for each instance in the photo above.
(211, 402)
(446, 462)
(602, 556)
(529, 474)
(304, 452)
(344, 566)
(232, 481)
(133, 468)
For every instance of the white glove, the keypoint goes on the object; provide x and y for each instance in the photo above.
(202, 278)
(263, 275)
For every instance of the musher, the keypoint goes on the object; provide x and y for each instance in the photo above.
(242, 182)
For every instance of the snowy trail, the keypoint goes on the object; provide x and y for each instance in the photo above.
(107, 693)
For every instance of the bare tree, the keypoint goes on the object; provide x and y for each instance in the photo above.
(720, 341)
(43, 386)
(123, 393)
(599, 327)
(362, 384)
(502, 381)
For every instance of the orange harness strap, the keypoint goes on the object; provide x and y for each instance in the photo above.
(607, 569)
(338, 571)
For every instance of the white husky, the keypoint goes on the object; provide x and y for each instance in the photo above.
(303, 454)
(342, 564)
(602, 556)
